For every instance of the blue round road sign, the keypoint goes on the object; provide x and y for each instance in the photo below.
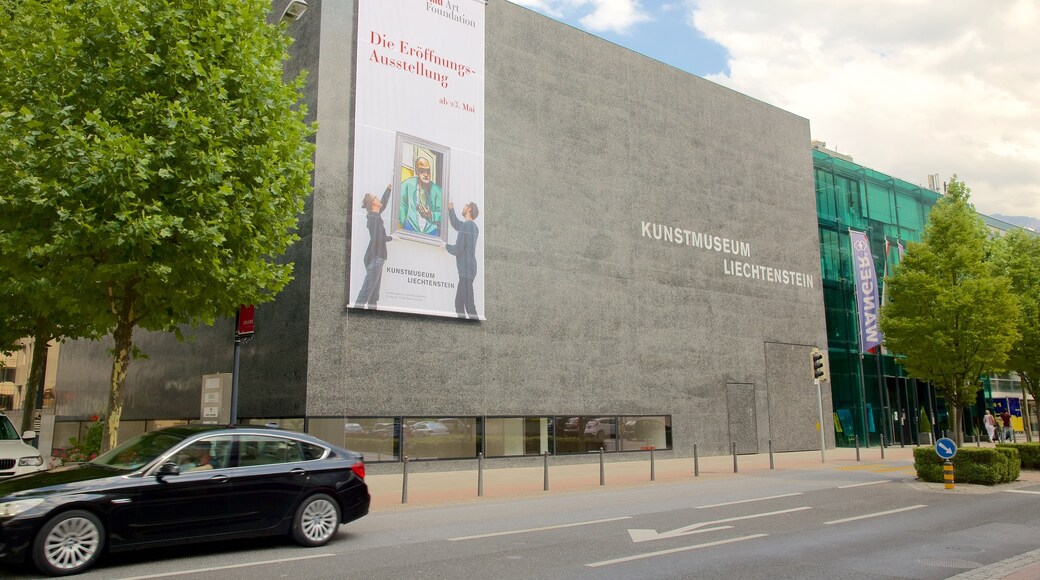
(946, 448)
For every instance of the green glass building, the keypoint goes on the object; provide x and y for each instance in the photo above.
(872, 395)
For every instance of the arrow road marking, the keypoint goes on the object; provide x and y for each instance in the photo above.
(647, 535)
(673, 551)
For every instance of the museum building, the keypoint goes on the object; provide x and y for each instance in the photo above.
(585, 249)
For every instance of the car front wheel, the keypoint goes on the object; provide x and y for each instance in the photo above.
(316, 521)
(68, 543)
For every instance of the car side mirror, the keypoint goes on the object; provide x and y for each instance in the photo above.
(28, 436)
(167, 469)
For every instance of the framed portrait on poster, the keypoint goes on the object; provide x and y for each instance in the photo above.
(421, 194)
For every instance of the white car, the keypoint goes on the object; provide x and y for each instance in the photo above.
(17, 458)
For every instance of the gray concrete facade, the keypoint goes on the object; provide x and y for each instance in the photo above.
(604, 169)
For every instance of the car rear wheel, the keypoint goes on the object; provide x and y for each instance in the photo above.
(316, 521)
(68, 543)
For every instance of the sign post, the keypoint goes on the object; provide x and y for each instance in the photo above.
(819, 375)
(243, 331)
(945, 448)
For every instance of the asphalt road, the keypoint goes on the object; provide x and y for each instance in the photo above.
(853, 522)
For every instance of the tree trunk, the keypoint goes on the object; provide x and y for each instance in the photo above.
(955, 424)
(123, 335)
(32, 384)
(1025, 414)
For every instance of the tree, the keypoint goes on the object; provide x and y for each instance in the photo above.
(1018, 258)
(159, 148)
(949, 316)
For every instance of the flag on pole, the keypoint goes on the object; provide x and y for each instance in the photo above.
(865, 276)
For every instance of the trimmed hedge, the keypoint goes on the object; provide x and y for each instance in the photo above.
(971, 465)
(1029, 453)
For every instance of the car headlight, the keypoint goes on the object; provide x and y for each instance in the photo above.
(13, 508)
(33, 461)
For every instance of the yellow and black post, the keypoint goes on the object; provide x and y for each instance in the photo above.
(948, 473)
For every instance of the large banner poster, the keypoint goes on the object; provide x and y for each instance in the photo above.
(866, 291)
(417, 242)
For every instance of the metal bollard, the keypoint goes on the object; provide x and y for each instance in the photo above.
(404, 480)
(652, 474)
(857, 447)
(882, 446)
(602, 473)
(696, 464)
(977, 443)
(948, 473)
(545, 486)
(733, 445)
(771, 464)
(480, 475)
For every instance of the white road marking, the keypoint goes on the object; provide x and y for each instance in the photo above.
(228, 567)
(863, 517)
(862, 484)
(1022, 491)
(673, 551)
(647, 535)
(511, 532)
(701, 507)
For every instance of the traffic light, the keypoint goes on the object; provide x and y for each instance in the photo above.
(817, 364)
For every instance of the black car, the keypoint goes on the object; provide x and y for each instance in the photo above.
(178, 485)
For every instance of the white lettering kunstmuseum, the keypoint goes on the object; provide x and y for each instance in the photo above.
(683, 237)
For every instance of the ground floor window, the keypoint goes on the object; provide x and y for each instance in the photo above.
(464, 437)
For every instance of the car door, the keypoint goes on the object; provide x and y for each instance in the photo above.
(192, 504)
(268, 480)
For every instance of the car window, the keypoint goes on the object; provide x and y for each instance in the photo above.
(140, 450)
(266, 450)
(7, 430)
(311, 452)
(208, 453)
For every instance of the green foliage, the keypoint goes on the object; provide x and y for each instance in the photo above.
(971, 465)
(85, 449)
(1014, 463)
(1017, 256)
(1028, 453)
(155, 162)
(923, 422)
(950, 316)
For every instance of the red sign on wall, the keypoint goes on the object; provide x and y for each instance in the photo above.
(245, 320)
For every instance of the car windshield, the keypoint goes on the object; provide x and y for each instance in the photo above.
(7, 430)
(140, 450)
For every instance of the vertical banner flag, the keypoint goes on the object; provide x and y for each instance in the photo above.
(866, 291)
(417, 242)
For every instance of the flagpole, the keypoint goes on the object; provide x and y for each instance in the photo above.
(861, 342)
(886, 402)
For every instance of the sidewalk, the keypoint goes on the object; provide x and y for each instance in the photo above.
(427, 489)
(447, 487)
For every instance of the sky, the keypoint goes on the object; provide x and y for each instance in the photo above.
(906, 87)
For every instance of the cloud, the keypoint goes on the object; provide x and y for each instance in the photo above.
(618, 16)
(932, 87)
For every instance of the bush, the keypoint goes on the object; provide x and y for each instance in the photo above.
(970, 465)
(1028, 453)
(1014, 463)
(80, 450)
(924, 425)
